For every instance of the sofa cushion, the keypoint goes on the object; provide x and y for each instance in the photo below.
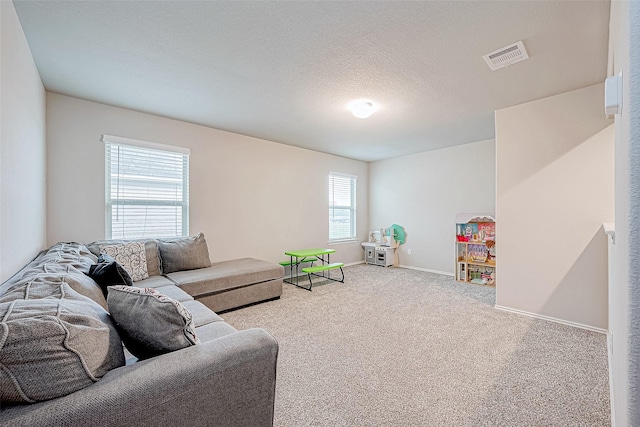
(187, 253)
(222, 276)
(53, 346)
(201, 313)
(38, 280)
(84, 285)
(18, 275)
(172, 291)
(107, 272)
(73, 254)
(150, 249)
(214, 330)
(154, 282)
(150, 323)
(131, 256)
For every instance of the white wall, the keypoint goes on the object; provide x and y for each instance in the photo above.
(555, 188)
(631, 119)
(22, 148)
(625, 328)
(251, 197)
(424, 192)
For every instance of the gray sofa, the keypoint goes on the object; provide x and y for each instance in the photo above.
(221, 286)
(226, 379)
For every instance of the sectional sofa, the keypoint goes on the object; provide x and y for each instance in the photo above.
(62, 359)
(221, 286)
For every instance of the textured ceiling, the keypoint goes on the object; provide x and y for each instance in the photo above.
(285, 71)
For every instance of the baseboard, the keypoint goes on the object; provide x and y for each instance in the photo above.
(551, 319)
(349, 264)
(408, 267)
(428, 270)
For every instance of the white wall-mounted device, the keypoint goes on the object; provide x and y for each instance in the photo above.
(506, 56)
(613, 94)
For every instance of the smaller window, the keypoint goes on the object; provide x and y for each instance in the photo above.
(342, 206)
(147, 189)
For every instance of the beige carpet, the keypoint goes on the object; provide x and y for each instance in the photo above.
(397, 347)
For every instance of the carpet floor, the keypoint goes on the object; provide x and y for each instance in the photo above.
(399, 347)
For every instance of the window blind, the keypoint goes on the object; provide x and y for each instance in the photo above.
(342, 206)
(147, 190)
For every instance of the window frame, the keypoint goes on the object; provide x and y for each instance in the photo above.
(352, 209)
(111, 140)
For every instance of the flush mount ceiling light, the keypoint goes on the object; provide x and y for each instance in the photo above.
(362, 108)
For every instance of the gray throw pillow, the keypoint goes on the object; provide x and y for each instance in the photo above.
(187, 253)
(54, 346)
(150, 323)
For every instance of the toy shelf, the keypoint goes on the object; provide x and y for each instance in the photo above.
(483, 264)
(475, 248)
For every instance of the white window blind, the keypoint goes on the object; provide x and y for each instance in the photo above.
(342, 206)
(147, 189)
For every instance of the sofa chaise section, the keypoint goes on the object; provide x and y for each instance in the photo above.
(222, 286)
(230, 284)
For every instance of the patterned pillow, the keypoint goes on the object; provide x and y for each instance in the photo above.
(132, 257)
(150, 247)
(150, 323)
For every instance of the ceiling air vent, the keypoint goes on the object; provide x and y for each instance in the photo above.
(506, 56)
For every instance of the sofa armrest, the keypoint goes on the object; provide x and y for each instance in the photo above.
(229, 381)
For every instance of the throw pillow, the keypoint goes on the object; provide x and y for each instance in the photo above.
(150, 323)
(132, 257)
(150, 247)
(182, 254)
(53, 346)
(107, 272)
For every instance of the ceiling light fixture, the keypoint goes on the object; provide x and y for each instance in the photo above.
(362, 108)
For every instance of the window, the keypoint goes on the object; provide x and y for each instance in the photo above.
(342, 206)
(147, 189)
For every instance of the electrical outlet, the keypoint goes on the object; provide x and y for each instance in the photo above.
(409, 251)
